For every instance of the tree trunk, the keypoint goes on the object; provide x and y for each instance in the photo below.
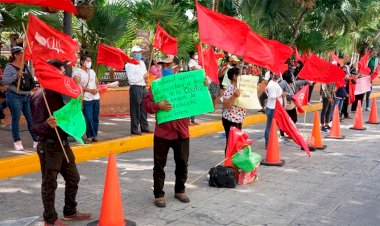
(298, 25)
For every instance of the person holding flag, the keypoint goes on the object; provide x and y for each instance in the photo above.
(52, 159)
(86, 77)
(274, 92)
(328, 94)
(19, 100)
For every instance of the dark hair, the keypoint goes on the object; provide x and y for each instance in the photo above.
(288, 77)
(83, 58)
(191, 54)
(56, 63)
(11, 58)
(231, 72)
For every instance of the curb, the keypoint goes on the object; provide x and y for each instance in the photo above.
(26, 164)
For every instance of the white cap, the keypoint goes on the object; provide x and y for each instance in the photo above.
(136, 49)
(267, 76)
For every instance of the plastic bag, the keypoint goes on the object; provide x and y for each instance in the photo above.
(245, 159)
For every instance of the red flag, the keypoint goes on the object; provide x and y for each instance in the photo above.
(164, 42)
(113, 57)
(286, 124)
(51, 78)
(300, 99)
(363, 64)
(66, 5)
(266, 53)
(335, 58)
(210, 63)
(49, 43)
(304, 58)
(351, 92)
(296, 54)
(236, 141)
(224, 32)
(319, 70)
(375, 73)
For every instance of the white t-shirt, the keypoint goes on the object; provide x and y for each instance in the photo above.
(83, 77)
(135, 73)
(193, 63)
(274, 92)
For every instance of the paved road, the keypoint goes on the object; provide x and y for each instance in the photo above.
(337, 186)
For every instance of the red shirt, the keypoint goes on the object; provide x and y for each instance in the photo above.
(172, 130)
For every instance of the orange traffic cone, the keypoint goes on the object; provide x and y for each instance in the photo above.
(358, 121)
(373, 119)
(273, 151)
(335, 126)
(316, 133)
(111, 213)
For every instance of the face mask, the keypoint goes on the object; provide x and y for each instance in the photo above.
(138, 56)
(167, 71)
(87, 65)
(196, 57)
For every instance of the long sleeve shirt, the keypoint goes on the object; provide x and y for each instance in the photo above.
(172, 130)
(135, 73)
(10, 78)
(40, 114)
(328, 91)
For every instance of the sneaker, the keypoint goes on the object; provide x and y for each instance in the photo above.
(35, 144)
(88, 141)
(284, 138)
(18, 146)
(367, 109)
(2, 123)
(160, 202)
(94, 140)
(324, 130)
(348, 117)
(79, 216)
(327, 127)
(58, 222)
(182, 197)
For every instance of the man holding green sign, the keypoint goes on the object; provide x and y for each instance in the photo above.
(174, 99)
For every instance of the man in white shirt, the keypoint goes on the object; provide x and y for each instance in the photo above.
(137, 74)
(274, 93)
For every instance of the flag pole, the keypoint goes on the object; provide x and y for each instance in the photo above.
(45, 100)
(22, 60)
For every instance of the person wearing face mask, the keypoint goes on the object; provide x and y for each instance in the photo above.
(87, 79)
(290, 88)
(52, 159)
(193, 65)
(234, 61)
(137, 75)
(166, 63)
(18, 101)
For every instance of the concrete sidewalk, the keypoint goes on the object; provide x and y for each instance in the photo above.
(336, 186)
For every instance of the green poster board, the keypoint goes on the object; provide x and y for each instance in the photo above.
(186, 92)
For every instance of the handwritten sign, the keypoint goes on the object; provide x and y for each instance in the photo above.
(71, 120)
(248, 98)
(363, 85)
(187, 94)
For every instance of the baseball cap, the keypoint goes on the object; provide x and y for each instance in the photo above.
(16, 49)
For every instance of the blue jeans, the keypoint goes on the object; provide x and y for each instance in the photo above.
(338, 102)
(367, 94)
(91, 114)
(16, 104)
(270, 113)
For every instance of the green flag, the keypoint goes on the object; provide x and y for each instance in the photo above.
(186, 92)
(71, 120)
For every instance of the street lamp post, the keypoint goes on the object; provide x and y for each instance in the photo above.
(68, 29)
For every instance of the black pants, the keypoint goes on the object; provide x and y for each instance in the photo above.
(293, 115)
(325, 113)
(53, 162)
(357, 98)
(311, 87)
(138, 114)
(345, 108)
(3, 105)
(161, 148)
(227, 126)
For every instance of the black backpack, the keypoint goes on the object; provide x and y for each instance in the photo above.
(222, 177)
(27, 82)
